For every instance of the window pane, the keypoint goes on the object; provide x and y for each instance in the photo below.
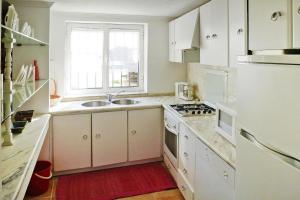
(124, 58)
(86, 58)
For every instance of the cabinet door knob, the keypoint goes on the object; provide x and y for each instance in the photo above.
(225, 174)
(183, 188)
(185, 154)
(98, 136)
(214, 36)
(299, 10)
(184, 171)
(275, 16)
(133, 132)
(240, 30)
(207, 37)
(85, 137)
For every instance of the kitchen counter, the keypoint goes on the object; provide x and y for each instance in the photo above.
(18, 161)
(202, 126)
(75, 107)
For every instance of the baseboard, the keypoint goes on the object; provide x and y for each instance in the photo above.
(90, 169)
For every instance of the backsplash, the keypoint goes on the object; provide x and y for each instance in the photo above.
(197, 75)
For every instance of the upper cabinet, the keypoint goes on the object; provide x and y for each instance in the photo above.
(184, 38)
(237, 30)
(269, 24)
(214, 33)
(296, 23)
(175, 55)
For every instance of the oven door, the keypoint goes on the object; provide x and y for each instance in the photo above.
(171, 144)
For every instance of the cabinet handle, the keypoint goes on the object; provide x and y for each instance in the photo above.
(240, 30)
(214, 36)
(184, 171)
(275, 16)
(183, 188)
(185, 154)
(207, 37)
(85, 137)
(225, 174)
(133, 132)
(186, 137)
(299, 10)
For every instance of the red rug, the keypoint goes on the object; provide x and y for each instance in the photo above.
(115, 183)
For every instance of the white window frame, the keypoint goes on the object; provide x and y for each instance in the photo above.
(105, 75)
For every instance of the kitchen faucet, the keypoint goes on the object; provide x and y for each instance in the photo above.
(111, 96)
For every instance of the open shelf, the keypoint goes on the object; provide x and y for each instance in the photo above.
(21, 94)
(22, 39)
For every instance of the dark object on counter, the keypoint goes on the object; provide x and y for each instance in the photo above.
(25, 115)
(18, 127)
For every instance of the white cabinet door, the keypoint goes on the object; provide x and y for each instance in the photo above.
(109, 136)
(144, 134)
(186, 27)
(175, 55)
(296, 23)
(269, 24)
(237, 30)
(214, 33)
(72, 142)
(187, 154)
(171, 40)
(206, 57)
(219, 35)
(214, 178)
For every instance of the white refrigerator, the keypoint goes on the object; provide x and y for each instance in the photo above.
(268, 143)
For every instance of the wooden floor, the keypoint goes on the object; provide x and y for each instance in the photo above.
(163, 195)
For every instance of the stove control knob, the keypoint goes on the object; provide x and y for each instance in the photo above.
(193, 112)
(186, 111)
(209, 111)
(199, 112)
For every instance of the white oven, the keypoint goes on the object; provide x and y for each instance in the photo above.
(171, 138)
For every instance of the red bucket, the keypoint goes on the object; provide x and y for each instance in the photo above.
(40, 178)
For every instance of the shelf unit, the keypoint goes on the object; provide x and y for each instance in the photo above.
(22, 49)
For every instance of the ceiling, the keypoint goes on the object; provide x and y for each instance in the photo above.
(167, 8)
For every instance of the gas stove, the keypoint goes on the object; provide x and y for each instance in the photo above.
(186, 110)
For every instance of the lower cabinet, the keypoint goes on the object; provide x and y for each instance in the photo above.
(99, 139)
(214, 177)
(72, 142)
(144, 134)
(109, 138)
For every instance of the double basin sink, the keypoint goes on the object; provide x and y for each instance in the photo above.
(104, 103)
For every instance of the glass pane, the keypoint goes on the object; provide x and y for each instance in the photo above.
(124, 55)
(86, 58)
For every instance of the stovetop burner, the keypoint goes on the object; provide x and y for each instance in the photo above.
(193, 109)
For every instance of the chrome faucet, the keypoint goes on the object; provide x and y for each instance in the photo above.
(111, 96)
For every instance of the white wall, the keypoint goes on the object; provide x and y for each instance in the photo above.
(161, 73)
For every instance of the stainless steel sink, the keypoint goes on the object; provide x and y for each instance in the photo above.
(95, 104)
(125, 101)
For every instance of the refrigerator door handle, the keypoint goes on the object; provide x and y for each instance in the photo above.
(283, 156)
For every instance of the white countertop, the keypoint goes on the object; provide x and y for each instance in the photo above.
(18, 161)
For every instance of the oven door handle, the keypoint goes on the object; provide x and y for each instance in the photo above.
(169, 128)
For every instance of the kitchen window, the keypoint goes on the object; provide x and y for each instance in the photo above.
(104, 57)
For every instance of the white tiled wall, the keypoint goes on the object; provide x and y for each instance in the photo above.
(197, 75)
